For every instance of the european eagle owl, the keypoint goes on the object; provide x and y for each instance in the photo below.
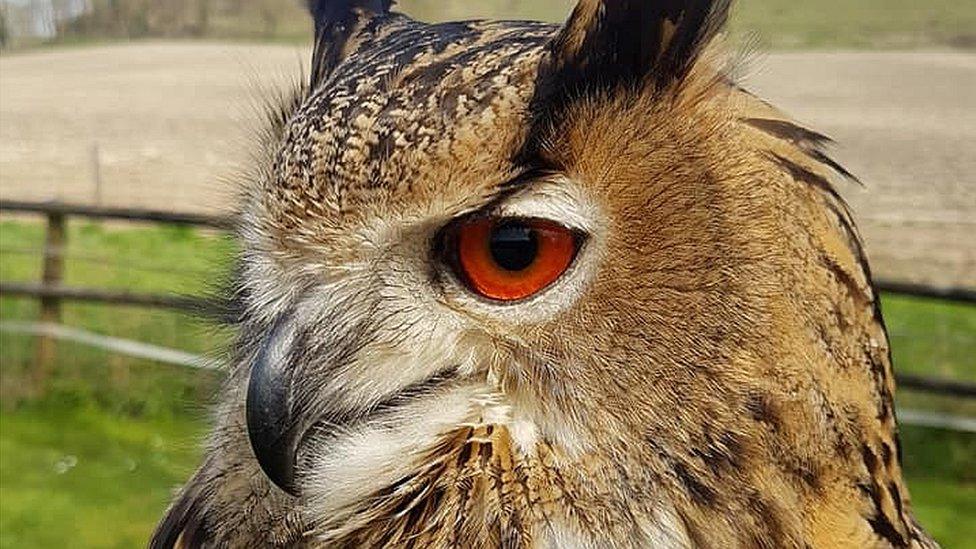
(509, 284)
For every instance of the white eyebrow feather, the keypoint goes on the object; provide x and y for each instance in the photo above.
(559, 200)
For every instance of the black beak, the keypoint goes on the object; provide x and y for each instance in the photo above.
(271, 424)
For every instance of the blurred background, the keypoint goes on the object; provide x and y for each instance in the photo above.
(123, 123)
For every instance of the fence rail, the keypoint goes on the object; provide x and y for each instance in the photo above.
(98, 295)
(126, 214)
(944, 387)
(136, 349)
(947, 293)
(52, 293)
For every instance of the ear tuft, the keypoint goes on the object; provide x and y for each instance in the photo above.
(336, 22)
(608, 43)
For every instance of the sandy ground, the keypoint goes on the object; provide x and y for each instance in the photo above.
(168, 124)
(905, 123)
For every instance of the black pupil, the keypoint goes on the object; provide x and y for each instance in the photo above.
(513, 246)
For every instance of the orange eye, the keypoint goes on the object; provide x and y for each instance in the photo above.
(511, 259)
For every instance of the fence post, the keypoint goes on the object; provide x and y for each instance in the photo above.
(53, 274)
(96, 172)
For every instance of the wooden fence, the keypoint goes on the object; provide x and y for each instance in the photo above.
(52, 293)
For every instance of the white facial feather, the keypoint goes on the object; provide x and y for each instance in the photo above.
(559, 199)
(376, 454)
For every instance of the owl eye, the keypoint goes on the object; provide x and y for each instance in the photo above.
(509, 259)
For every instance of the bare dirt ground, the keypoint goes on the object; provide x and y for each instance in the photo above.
(905, 123)
(168, 123)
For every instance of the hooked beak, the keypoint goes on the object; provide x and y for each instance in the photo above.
(271, 424)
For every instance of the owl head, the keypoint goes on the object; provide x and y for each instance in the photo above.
(521, 282)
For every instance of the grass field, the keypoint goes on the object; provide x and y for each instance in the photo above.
(779, 24)
(820, 24)
(92, 462)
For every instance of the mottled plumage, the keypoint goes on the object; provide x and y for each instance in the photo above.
(711, 371)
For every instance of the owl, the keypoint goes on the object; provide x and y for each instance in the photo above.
(510, 284)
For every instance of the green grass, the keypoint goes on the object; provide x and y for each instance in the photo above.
(931, 337)
(156, 260)
(940, 474)
(823, 24)
(92, 462)
(79, 476)
(778, 24)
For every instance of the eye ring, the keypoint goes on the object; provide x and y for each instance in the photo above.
(510, 259)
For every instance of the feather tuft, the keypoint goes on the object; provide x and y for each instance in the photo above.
(336, 22)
